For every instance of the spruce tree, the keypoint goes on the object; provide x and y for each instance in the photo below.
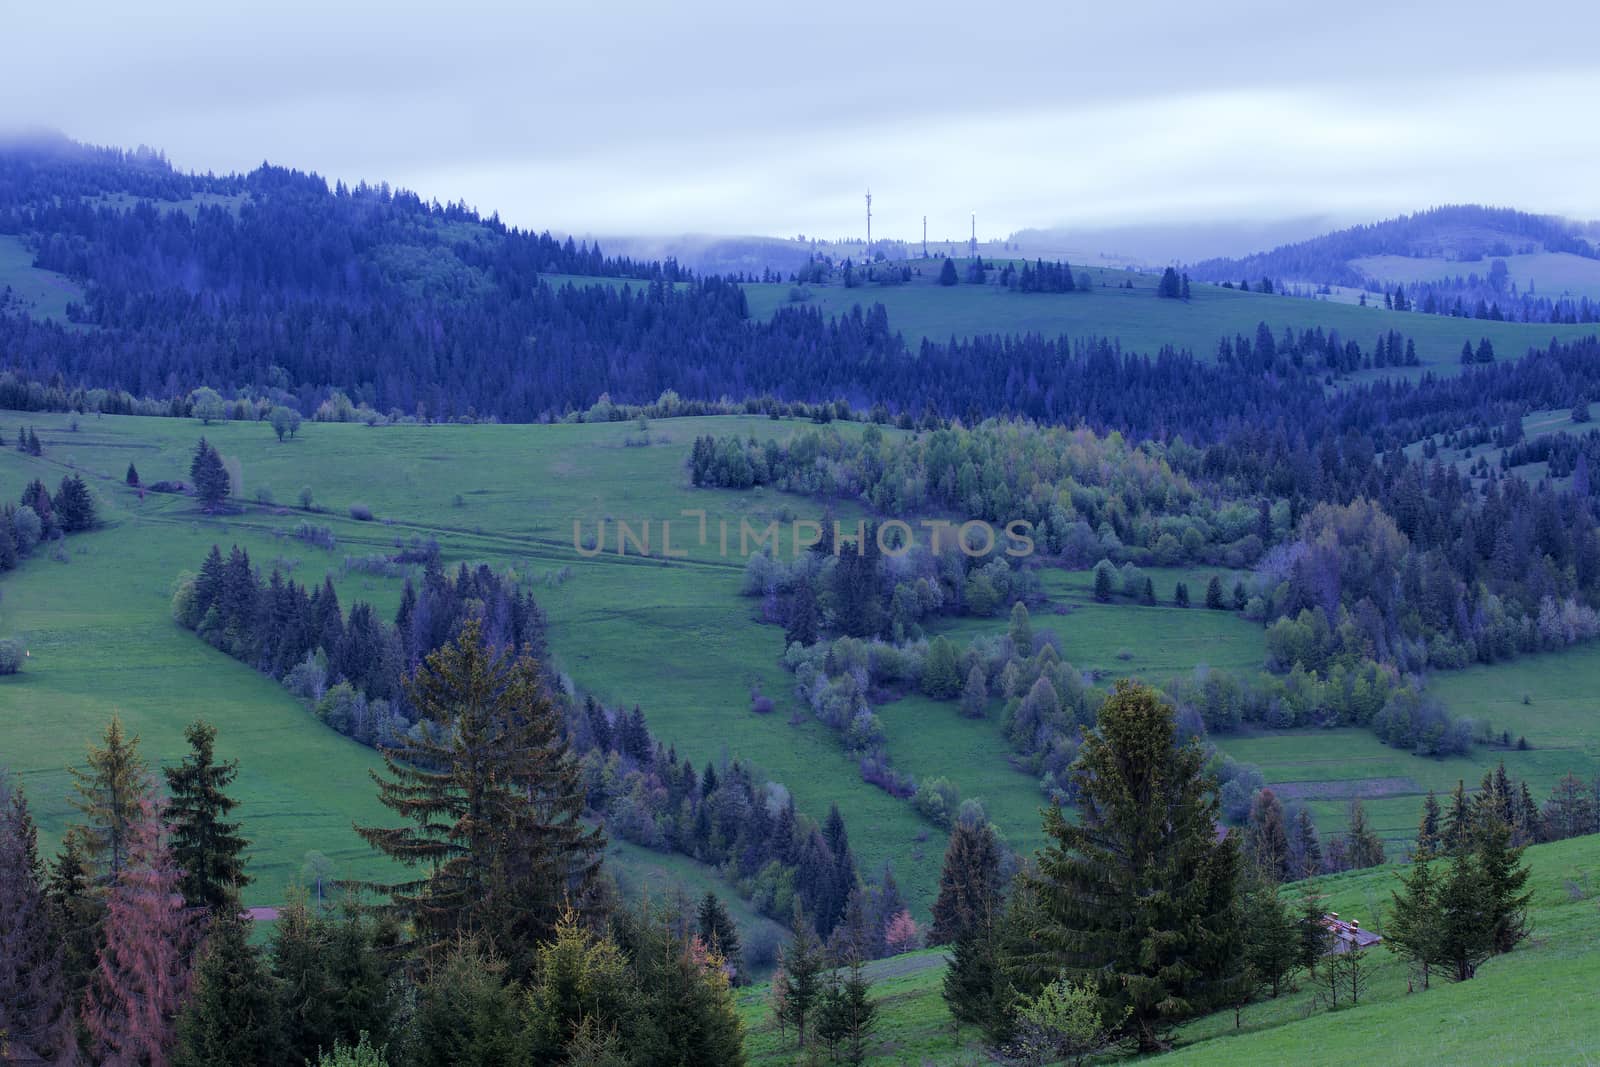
(111, 792)
(1272, 935)
(143, 972)
(1214, 594)
(1266, 837)
(1499, 865)
(1365, 846)
(35, 1009)
(77, 910)
(207, 847)
(1413, 929)
(492, 801)
(74, 505)
(1306, 846)
(977, 989)
(1428, 830)
(332, 979)
(1465, 930)
(1139, 894)
(802, 966)
(210, 477)
(718, 929)
(1457, 833)
(132, 476)
(969, 883)
(231, 1016)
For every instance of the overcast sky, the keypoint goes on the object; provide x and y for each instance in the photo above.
(762, 117)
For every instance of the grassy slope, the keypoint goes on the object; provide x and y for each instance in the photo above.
(1550, 273)
(1144, 323)
(675, 638)
(44, 294)
(1533, 1006)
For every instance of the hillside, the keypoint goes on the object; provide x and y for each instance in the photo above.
(1449, 236)
(1533, 1006)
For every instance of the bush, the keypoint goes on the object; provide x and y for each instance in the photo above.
(360, 513)
(11, 656)
(26, 528)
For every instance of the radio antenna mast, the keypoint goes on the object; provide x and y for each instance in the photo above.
(924, 237)
(869, 225)
(972, 245)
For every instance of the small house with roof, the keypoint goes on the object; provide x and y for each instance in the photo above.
(1346, 936)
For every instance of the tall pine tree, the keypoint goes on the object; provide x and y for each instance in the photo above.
(1138, 895)
(207, 847)
(34, 1007)
(111, 792)
(492, 802)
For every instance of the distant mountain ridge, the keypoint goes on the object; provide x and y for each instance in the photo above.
(1457, 233)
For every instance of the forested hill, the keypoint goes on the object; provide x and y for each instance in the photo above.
(1464, 233)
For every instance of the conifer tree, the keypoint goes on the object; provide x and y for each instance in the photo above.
(1428, 830)
(210, 477)
(492, 800)
(332, 979)
(718, 929)
(208, 849)
(802, 967)
(74, 505)
(1139, 895)
(34, 1007)
(1570, 810)
(1180, 596)
(1266, 837)
(977, 990)
(1364, 845)
(1504, 878)
(1413, 931)
(144, 967)
(132, 476)
(111, 793)
(1272, 935)
(1465, 931)
(1214, 594)
(1304, 847)
(1457, 833)
(969, 883)
(1313, 933)
(231, 1016)
(77, 910)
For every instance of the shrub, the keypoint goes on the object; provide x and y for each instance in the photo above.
(360, 512)
(11, 656)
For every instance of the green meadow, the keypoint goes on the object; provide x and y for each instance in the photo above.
(1532, 1006)
(42, 294)
(1144, 323)
(671, 634)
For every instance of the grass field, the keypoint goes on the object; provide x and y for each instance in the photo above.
(1550, 274)
(1144, 323)
(42, 294)
(1532, 1006)
(669, 634)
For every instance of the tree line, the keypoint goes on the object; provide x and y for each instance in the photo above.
(500, 942)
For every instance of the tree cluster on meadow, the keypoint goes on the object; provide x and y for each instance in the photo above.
(501, 942)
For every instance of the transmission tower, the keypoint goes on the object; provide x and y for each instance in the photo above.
(972, 245)
(869, 224)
